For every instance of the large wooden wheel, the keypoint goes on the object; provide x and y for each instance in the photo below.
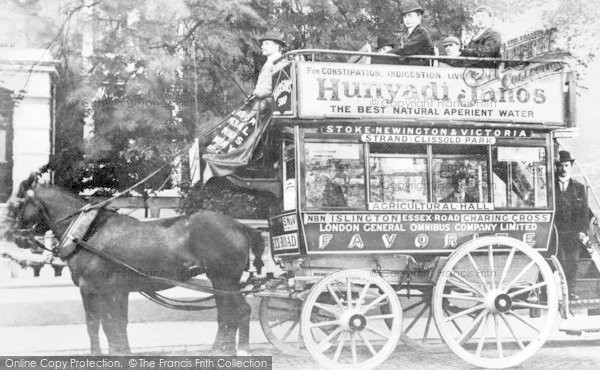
(503, 300)
(341, 323)
(280, 319)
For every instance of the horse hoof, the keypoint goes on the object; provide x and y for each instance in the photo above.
(243, 352)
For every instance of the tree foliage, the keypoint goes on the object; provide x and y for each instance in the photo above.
(162, 71)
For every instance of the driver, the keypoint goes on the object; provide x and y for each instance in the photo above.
(571, 218)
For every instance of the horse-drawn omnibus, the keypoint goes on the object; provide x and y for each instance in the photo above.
(418, 204)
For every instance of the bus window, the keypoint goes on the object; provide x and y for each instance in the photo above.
(398, 173)
(289, 176)
(460, 174)
(520, 179)
(334, 175)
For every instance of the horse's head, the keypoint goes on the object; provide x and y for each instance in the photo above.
(28, 213)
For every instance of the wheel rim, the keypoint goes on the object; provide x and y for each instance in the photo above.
(351, 333)
(280, 319)
(494, 286)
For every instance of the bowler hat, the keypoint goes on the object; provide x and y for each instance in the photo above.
(383, 41)
(451, 40)
(411, 6)
(273, 36)
(485, 9)
(564, 156)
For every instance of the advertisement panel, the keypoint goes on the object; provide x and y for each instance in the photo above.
(418, 232)
(524, 94)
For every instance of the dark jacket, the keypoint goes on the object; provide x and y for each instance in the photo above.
(384, 60)
(571, 209)
(487, 45)
(417, 43)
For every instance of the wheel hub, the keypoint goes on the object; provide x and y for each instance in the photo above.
(353, 321)
(498, 301)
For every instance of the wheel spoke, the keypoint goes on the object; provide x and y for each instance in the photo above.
(520, 274)
(414, 321)
(482, 339)
(527, 289)
(465, 312)
(277, 323)
(414, 305)
(473, 289)
(380, 317)
(353, 348)
(335, 297)
(340, 345)
(429, 317)
(509, 259)
(530, 305)
(518, 317)
(473, 328)
(485, 284)
(326, 309)
(367, 343)
(349, 292)
(362, 295)
(491, 261)
(498, 339)
(289, 331)
(462, 297)
(327, 339)
(372, 304)
(455, 324)
(511, 330)
(323, 323)
(377, 332)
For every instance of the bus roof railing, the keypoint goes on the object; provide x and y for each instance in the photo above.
(348, 53)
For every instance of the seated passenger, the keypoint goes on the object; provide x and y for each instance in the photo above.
(459, 194)
(417, 40)
(451, 49)
(486, 43)
(384, 46)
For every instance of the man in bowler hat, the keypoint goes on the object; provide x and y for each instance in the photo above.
(417, 40)
(571, 218)
(272, 44)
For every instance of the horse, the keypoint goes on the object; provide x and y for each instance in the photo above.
(177, 248)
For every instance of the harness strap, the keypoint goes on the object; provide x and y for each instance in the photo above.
(187, 305)
(190, 284)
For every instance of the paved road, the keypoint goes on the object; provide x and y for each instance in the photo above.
(583, 354)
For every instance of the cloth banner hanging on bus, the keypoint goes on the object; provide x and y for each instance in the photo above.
(232, 142)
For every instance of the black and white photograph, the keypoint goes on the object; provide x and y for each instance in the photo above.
(299, 184)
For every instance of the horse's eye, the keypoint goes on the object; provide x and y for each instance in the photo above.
(29, 193)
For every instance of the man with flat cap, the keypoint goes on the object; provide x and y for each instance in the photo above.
(416, 40)
(272, 44)
(487, 41)
(451, 49)
(571, 219)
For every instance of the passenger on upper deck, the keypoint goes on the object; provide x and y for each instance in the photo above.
(417, 40)
(384, 46)
(451, 49)
(272, 44)
(486, 43)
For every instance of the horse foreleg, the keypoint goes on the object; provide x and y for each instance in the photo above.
(243, 323)
(91, 306)
(114, 321)
(225, 339)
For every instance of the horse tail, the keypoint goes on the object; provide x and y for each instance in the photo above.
(257, 246)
